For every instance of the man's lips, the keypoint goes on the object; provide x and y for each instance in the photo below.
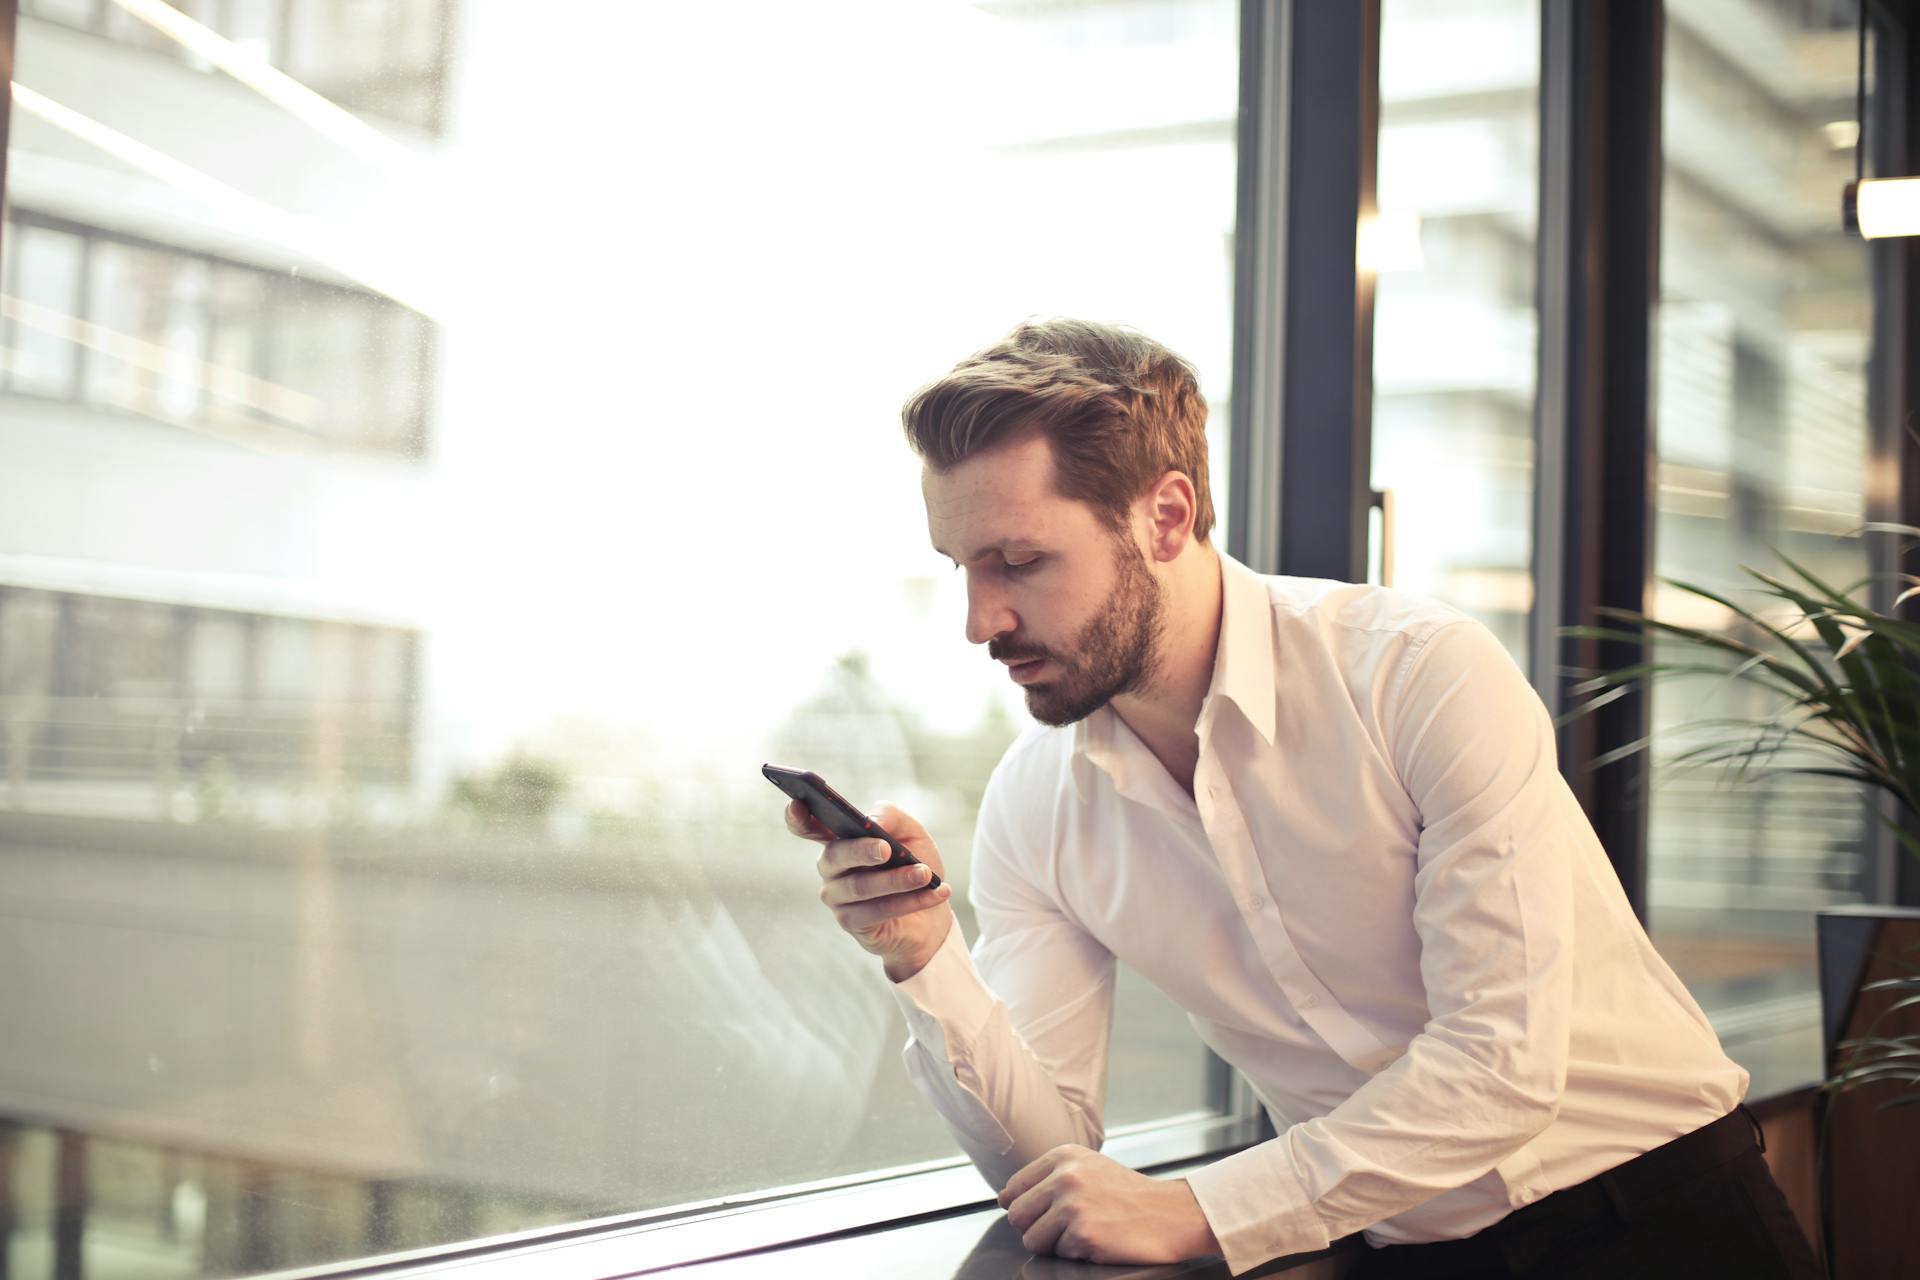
(1024, 669)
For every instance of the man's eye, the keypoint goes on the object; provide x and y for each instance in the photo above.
(1023, 566)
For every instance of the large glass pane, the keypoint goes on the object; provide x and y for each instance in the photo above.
(1764, 333)
(1453, 257)
(462, 908)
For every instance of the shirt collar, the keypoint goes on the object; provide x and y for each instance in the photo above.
(1243, 662)
(1242, 672)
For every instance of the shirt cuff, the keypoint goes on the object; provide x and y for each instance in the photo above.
(1257, 1206)
(947, 1002)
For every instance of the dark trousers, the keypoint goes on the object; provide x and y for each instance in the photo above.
(1701, 1207)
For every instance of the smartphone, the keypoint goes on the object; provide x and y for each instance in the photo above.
(833, 812)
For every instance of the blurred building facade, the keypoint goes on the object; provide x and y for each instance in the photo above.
(217, 442)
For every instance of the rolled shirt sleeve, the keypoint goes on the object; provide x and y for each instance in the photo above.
(1493, 909)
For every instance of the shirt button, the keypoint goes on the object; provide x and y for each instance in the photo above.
(1256, 904)
(964, 1074)
(1309, 1001)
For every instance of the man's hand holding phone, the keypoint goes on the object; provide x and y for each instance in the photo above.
(888, 910)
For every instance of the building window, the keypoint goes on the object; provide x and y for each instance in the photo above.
(141, 709)
(46, 266)
(201, 341)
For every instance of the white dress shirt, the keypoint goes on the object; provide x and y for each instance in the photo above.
(1381, 905)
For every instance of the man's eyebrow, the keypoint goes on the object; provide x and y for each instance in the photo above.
(1002, 546)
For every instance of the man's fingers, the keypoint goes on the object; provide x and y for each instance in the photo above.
(1029, 1177)
(842, 856)
(1030, 1205)
(863, 886)
(802, 823)
(899, 824)
(1046, 1231)
(864, 915)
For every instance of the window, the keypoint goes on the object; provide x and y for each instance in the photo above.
(134, 708)
(184, 338)
(465, 910)
(1454, 331)
(153, 299)
(47, 266)
(1763, 333)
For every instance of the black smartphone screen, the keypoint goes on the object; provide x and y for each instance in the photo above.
(837, 816)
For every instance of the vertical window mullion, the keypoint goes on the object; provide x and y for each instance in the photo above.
(1892, 136)
(1598, 280)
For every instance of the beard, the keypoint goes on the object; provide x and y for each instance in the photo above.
(1117, 652)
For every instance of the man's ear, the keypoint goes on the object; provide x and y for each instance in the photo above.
(1170, 510)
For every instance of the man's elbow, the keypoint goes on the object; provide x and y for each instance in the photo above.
(1081, 1121)
(1520, 1087)
(1536, 1092)
(1539, 1115)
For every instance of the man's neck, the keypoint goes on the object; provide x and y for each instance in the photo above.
(1164, 714)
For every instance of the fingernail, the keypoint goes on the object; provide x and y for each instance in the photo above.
(921, 874)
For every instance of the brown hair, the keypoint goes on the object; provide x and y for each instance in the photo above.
(1119, 409)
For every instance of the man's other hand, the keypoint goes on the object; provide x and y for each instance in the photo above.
(1077, 1203)
(890, 913)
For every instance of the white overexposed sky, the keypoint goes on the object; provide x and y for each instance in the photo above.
(690, 279)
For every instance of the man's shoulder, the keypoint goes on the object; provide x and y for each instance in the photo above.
(1041, 754)
(1032, 776)
(1023, 792)
(1356, 612)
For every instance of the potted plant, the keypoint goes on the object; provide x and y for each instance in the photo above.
(1838, 684)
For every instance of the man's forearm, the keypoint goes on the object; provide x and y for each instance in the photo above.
(1003, 1106)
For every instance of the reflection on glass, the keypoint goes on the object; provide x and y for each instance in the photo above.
(1453, 355)
(1763, 331)
(407, 562)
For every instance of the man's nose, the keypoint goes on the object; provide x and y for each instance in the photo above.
(987, 613)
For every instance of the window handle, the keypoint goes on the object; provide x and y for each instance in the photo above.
(1382, 500)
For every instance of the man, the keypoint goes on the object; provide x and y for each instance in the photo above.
(1324, 818)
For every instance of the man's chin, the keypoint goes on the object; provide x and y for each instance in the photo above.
(1051, 706)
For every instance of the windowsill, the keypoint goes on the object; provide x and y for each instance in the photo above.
(940, 1222)
(979, 1243)
(926, 1211)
